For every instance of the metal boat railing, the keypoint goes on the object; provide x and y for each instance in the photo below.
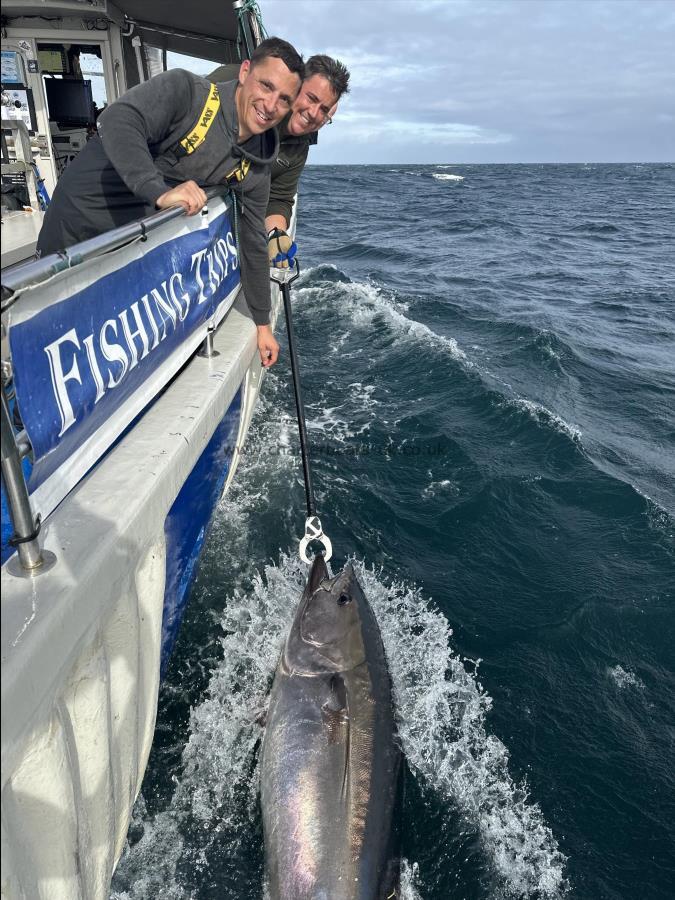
(21, 276)
(31, 560)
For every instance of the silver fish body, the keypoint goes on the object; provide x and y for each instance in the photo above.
(331, 767)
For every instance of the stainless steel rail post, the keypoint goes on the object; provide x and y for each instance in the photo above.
(30, 559)
(208, 349)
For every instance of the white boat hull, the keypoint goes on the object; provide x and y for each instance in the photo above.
(82, 643)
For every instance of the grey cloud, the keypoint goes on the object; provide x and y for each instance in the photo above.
(493, 80)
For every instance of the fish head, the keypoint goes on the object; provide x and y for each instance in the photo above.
(327, 634)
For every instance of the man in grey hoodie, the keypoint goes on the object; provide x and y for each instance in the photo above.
(141, 162)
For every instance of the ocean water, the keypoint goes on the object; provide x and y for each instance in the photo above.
(488, 358)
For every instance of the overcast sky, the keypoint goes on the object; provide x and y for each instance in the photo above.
(493, 80)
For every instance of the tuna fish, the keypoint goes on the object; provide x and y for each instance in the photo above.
(331, 765)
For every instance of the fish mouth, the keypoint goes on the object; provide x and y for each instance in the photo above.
(318, 575)
(339, 593)
(325, 635)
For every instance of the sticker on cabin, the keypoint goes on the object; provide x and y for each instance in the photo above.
(87, 363)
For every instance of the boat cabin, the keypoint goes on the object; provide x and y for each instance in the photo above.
(64, 61)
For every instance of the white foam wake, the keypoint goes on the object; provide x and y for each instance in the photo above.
(624, 678)
(544, 416)
(441, 710)
(363, 302)
(446, 176)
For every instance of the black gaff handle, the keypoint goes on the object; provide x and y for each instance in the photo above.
(297, 390)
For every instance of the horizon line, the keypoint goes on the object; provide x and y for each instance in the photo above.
(627, 162)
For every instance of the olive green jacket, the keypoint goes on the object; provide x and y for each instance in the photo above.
(286, 171)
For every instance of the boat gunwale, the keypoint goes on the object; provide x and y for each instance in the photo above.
(32, 273)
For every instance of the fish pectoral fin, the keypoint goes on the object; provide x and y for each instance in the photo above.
(336, 722)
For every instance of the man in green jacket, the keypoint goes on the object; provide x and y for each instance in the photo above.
(148, 156)
(326, 80)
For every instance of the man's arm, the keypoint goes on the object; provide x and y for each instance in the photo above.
(145, 115)
(283, 189)
(188, 195)
(254, 265)
(277, 221)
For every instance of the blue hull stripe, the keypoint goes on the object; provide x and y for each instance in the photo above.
(187, 523)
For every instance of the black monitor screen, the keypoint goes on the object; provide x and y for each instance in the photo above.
(70, 101)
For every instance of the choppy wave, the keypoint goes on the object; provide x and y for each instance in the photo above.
(543, 416)
(538, 345)
(438, 176)
(365, 250)
(333, 423)
(442, 486)
(363, 302)
(326, 272)
(596, 228)
(564, 323)
(441, 710)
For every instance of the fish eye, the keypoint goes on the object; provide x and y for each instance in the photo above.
(344, 599)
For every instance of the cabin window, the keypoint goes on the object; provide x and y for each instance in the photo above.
(75, 90)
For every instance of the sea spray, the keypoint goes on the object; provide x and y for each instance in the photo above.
(441, 711)
(364, 304)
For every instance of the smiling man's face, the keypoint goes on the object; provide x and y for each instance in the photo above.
(266, 93)
(314, 104)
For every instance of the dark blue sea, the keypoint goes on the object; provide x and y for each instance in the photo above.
(488, 358)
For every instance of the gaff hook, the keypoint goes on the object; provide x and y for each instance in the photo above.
(313, 529)
(314, 532)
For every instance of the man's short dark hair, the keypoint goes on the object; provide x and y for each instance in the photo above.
(335, 72)
(282, 50)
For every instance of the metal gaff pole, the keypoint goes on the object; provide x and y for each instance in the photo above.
(313, 529)
(299, 406)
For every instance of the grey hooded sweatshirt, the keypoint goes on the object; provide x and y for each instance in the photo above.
(120, 174)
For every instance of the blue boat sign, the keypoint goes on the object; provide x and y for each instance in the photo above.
(92, 347)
